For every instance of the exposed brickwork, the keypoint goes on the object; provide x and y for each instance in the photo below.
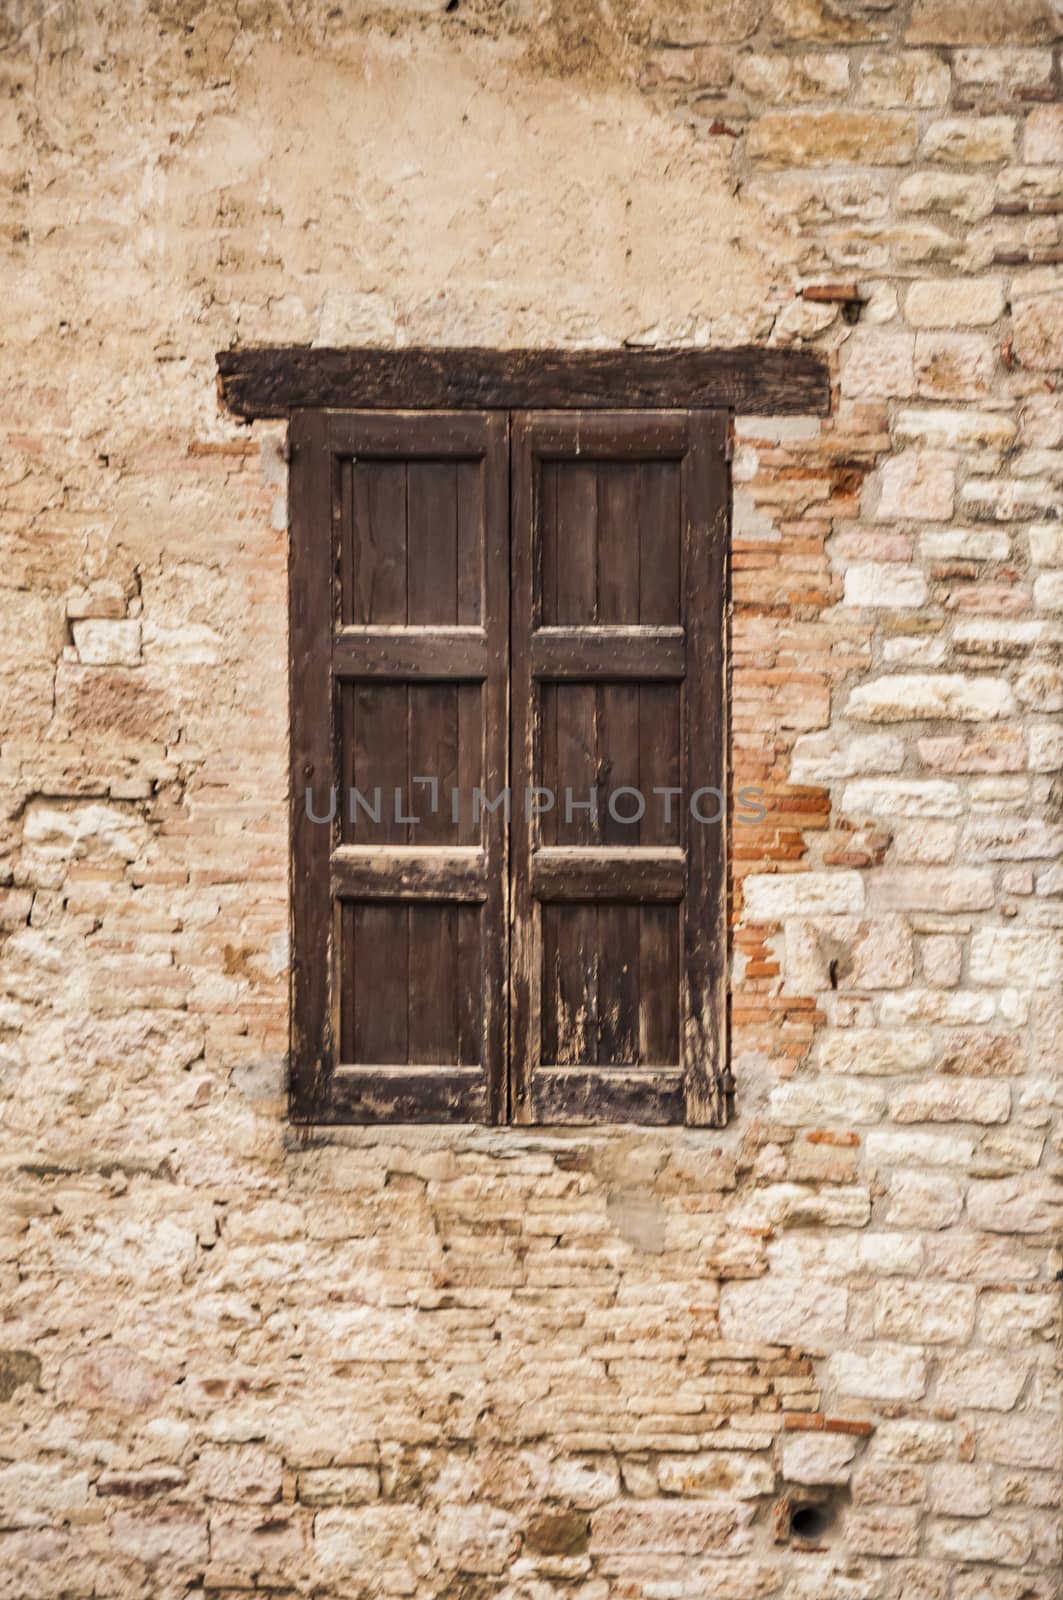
(478, 1363)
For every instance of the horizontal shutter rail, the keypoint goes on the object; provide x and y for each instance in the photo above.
(599, 654)
(415, 872)
(620, 436)
(404, 1093)
(610, 1094)
(605, 653)
(408, 435)
(398, 653)
(640, 874)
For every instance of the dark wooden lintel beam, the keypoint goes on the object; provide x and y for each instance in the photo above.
(274, 381)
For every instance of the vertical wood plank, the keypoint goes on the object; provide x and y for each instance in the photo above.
(381, 760)
(618, 984)
(381, 982)
(494, 709)
(548, 543)
(577, 544)
(345, 697)
(618, 542)
(346, 979)
(577, 985)
(544, 599)
(310, 611)
(660, 542)
(618, 761)
(431, 1019)
(527, 609)
(468, 987)
(434, 744)
(432, 541)
(658, 985)
(345, 545)
(706, 519)
(618, 602)
(547, 829)
(576, 709)
(470, 514)
(660, 752)
(378, 554)
(550, 982)
(471, 743)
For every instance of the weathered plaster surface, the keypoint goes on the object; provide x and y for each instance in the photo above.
(475, 1363)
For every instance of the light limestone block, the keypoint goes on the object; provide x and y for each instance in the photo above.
(771, 897)
(945, 696)
(884, 583)
(888, 1372)
(818, 1458)
(954, 302)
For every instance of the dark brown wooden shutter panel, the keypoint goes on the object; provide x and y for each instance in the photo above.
(619, 524)
(399, 596)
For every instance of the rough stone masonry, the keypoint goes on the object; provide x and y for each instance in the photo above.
(808, 1357)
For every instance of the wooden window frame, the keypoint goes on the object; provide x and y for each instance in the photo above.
(283, 382)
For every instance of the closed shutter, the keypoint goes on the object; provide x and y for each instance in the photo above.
(399, 606)
(618, 533)
(448, 965)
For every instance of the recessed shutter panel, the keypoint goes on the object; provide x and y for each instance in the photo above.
(399, 617)
(618, 536)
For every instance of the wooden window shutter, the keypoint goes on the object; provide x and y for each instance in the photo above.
(399, 607)
(567, 966)
(619, 523)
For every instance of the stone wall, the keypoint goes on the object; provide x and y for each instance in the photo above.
(586, 1364)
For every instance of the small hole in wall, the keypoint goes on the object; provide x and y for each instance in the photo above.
(809, 1522)
(810, 1516)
